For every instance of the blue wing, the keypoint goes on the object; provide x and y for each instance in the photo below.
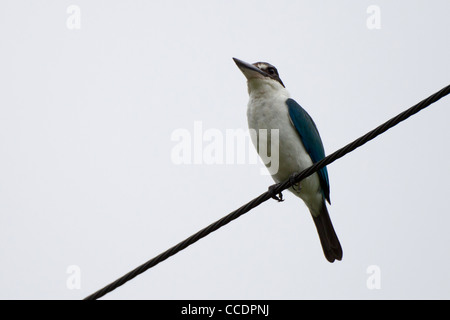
(310, 137)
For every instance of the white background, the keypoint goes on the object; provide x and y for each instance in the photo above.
(87, 179)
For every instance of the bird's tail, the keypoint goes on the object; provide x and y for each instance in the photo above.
(328, 238)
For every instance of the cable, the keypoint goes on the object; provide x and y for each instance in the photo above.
(275, 189)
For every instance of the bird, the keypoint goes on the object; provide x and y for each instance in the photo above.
(269, 108)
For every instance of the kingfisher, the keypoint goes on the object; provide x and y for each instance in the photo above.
(299, 145)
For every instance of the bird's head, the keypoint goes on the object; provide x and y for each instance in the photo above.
(259, 73)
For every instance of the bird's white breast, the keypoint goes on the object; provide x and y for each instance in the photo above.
(267, 109)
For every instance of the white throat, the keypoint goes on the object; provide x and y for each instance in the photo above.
(266, 90)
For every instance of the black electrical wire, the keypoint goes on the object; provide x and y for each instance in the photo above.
(275, 189)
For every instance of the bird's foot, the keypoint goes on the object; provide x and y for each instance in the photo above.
(295, 185)
(277, 196)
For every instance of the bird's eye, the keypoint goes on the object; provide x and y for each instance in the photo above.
(271, 71)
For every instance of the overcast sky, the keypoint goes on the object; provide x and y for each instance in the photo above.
(92, 94)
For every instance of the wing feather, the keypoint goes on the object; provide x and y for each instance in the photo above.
(311, 140)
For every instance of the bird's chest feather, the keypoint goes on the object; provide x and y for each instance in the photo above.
(271, 113)
(267, 111)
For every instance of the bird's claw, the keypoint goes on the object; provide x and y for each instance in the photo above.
(274, 195)
(294, 185)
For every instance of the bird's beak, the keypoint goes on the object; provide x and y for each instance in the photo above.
(249, 70)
